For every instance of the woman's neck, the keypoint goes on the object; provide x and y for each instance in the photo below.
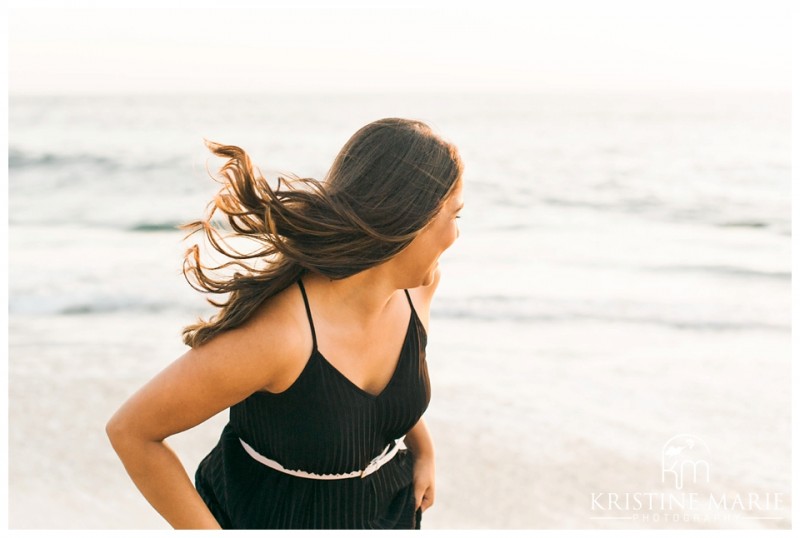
(363, 297)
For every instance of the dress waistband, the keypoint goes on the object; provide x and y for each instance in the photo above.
(376, 463)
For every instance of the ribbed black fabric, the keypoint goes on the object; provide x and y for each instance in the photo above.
(321, 424)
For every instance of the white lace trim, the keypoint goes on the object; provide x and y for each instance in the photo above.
(387, 454)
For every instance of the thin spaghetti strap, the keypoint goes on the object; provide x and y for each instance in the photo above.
(308, 312)
(408, 295)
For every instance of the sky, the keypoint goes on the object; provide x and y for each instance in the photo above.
(564, 45)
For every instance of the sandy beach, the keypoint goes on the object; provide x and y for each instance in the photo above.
(524, 451)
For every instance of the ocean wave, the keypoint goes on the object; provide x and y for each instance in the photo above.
(563, 202)
(86, 308)
(121, 225)
(724, 270)
(673, 211)
(18, 159)
(98, 305)
(686, 324)
(743, 224)
(166, 226)
(533, 310)
(487, 308)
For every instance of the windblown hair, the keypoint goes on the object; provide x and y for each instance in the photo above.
(385, 185)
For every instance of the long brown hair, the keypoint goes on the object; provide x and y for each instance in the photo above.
(387, 182)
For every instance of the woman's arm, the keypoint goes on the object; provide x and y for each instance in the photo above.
(161, 478)
(418, 440)
(198, 385)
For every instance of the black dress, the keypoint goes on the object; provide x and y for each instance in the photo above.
(322, 424)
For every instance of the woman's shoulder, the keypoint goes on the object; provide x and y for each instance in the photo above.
(268, 344)
(280, 321)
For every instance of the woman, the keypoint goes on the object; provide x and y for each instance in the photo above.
(304, 351)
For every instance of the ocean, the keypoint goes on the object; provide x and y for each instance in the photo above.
(622, 279)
